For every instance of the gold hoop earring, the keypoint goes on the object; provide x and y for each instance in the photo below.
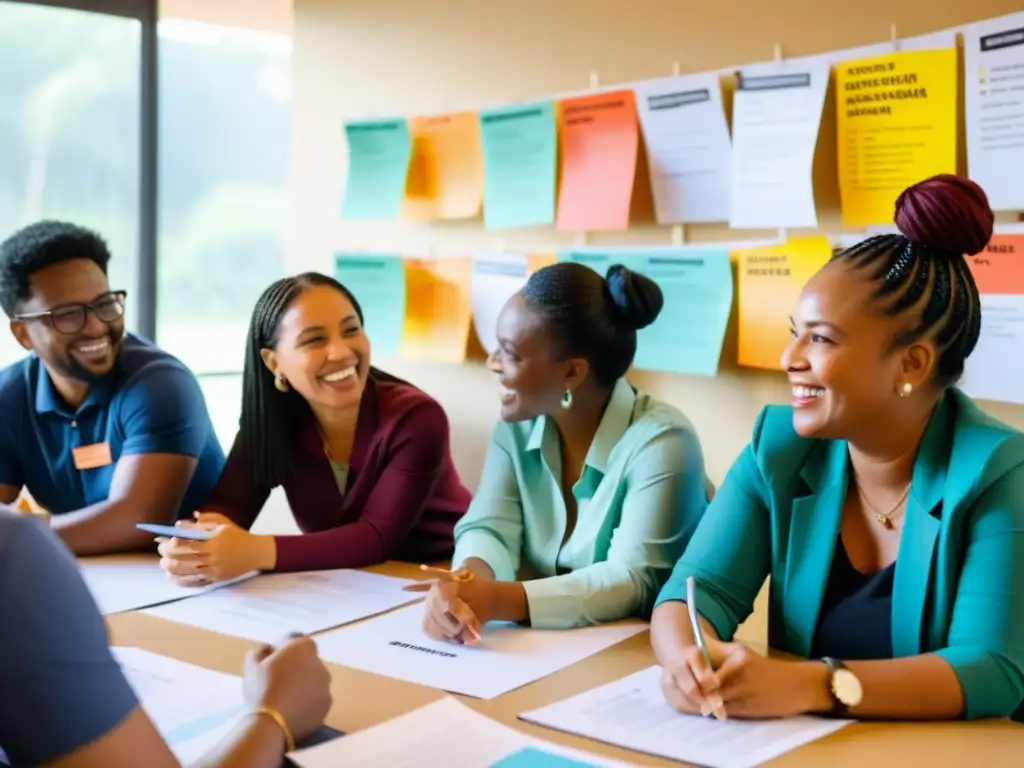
(906, 390)
(281, 383)
(567, 399)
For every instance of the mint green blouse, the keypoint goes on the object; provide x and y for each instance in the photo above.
(639, 499)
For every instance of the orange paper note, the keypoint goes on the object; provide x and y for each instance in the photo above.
(437, 309)
(999, 269)
(770, 282)
(446, 171)
(600, 140)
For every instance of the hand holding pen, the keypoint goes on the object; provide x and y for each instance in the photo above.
(456, 607)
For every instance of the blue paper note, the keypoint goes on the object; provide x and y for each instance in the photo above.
(532, 757)
(698, 288)
(378, 283)
(378, 162)
(520, 149)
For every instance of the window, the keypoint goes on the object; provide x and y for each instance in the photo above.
(69, 130)
(223, 173)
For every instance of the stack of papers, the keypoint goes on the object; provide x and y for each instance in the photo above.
(632, 713)
(507, 657)
(445, 734)
(193, 708)
(268, 608)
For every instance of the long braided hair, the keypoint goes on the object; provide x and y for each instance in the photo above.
(922, 273)
(269, 420)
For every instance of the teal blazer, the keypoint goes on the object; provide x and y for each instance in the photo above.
(959, 581)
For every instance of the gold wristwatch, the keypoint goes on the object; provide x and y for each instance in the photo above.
(844, 687)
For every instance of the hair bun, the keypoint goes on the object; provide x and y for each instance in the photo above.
(947, 213)
(637, 299)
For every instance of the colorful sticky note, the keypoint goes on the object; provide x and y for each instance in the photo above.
(531, 757)
(995, 369)
(696, 285)
(378, 283)
(437, 309)
(446, 172)
(520, 149)
(600, 140)
(770, 282)
(897, 125)
(378, 162)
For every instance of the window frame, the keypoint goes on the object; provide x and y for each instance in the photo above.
(147, 13)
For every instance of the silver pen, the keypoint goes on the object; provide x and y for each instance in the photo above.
(714, 704)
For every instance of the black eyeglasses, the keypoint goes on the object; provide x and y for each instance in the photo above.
(71, 318)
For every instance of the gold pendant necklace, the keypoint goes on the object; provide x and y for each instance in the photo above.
(884, 518)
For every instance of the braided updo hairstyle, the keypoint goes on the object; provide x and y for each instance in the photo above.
(922, 274)
(267, 427)
(593, 317)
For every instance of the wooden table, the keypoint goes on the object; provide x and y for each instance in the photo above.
(362, 699)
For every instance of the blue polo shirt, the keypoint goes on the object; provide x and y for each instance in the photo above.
(149, 403)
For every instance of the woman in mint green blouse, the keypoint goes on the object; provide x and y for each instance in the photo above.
(886, 508)
(590, 489)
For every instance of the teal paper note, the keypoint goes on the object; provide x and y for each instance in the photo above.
(520, 148)
(697, 285)
(378, 283)
(536, 758)
(378, 162)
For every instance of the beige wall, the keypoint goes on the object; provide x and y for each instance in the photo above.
(378, 57)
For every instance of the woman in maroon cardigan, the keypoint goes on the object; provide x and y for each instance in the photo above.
(363, 456)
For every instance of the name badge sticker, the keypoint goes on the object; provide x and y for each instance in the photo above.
(92, 456)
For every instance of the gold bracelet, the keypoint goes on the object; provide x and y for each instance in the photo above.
(273, 714)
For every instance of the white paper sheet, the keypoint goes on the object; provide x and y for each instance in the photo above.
(688, 147)
(994, 107)
(445, 734)
(119, 585)
(193, 708)
(268, 608)
(508, 657)
(495, 278)
(632, 713)
(776, 117)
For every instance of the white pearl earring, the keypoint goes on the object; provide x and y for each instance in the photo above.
(906, 389)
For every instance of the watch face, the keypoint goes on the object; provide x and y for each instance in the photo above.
(846, 687)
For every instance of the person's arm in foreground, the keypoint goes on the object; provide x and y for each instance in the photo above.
(12, 479)
(164, 418)
(664, 501)
(65, 702)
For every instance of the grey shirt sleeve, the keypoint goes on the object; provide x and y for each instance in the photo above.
(62, 688)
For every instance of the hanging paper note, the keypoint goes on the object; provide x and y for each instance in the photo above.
(696, 285)
(446, 172)
(496, 278)
(995, 370)
(378, 283)
(600, 141)
(994, 102)
(770, 282)
(437, 309)
(520, 149)
(689, 152)
(378, 162)
(896, 126)
(776, 117)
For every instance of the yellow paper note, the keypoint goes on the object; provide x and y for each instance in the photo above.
(446, 172)
(897, 118)
(770, 282)
(438, 309)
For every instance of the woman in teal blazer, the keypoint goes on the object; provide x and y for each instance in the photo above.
(886, 508)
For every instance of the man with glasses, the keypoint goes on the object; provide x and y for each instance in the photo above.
(103, 429)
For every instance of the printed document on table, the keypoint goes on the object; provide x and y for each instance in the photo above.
(193, 708)
(994, 106)
(632, 713)
(268, 608)
(445, 734)
(776, 117)
(129, 583)
(507, 657)
(688, 147)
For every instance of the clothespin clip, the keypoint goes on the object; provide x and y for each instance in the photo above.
(678, 234)
(893, 37)
(580, 241)
(595, 82)
(777, 55)
(783, 234)
(499, 245)
(675, 69)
